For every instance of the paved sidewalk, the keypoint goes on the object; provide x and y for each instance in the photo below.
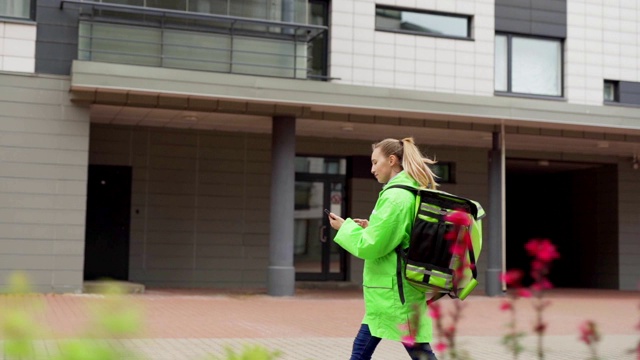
(320, 323)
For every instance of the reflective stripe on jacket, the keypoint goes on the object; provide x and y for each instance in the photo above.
(389, 225)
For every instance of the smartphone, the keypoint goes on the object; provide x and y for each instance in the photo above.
(326, 211)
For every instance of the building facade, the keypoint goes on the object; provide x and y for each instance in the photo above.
(195, 143)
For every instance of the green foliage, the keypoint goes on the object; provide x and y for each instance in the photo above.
(250, 352)
(90, 349)
(17, 325)
(112, 317)
(512, 342)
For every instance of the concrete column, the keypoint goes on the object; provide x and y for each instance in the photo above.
(494, 216)
(282, 274)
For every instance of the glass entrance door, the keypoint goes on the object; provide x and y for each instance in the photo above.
(316, 256)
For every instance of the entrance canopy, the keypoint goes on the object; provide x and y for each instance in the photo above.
(138, 95)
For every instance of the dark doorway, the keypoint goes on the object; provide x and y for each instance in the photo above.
(106, 253)
(573, 205)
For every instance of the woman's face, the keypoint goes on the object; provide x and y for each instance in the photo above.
(381, 166)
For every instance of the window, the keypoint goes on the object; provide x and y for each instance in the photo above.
(611, 91)
(444, 172)
(266, 10)
(423, 23)
(619, 92)
(20, 9)
(528, 65)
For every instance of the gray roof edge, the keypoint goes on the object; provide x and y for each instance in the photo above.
(345, 97)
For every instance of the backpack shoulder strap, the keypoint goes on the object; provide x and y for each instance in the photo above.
(411, 189)
(399, 251)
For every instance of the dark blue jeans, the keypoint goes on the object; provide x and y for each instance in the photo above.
(365, 344)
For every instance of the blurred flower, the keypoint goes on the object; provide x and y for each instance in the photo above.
(458, 218)
(505, 305)
(589, 333)
(512, 277)
(542, 249)
(408, 340)
(434, 311)
(524, 293)
(440, 347)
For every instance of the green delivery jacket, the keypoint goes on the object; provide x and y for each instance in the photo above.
(389, 225)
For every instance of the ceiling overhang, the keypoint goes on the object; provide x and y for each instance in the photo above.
(382, 111)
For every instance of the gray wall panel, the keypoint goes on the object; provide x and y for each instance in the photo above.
(512, 26)
(539, 17)
(57, 38)
(628, 87)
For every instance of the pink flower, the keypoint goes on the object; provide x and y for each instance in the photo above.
(467, 239)
(589, 332)
(506, 306)
(512, 277)
(458, 218)
(542, 249)
(440, 347)
(540, 328)
(458, 249)
(524, 293)
(408, 340)
(541, 285)
(434, 311)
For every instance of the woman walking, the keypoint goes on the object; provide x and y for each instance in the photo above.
(387, 316)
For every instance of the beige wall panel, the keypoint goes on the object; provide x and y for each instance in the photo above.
(69, 262)
(43, 151)
(45, 141)
(69, 247)
(31, 247)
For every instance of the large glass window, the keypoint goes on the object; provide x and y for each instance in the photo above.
(528, 65)
(254, 9)
(425, 23)
(20, 9)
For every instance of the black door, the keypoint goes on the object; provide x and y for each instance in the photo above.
(106, 253)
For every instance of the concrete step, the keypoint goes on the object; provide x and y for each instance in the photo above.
(102, 286)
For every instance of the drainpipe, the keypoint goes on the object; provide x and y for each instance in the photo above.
(495, 217)
(288, 11)
(282, 275)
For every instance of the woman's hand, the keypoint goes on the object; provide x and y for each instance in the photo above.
(362, 222)
(335, 221)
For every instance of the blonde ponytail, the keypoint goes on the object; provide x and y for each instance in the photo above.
(416, 165)
(411, 159)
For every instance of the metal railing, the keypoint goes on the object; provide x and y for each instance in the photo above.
(178, 39)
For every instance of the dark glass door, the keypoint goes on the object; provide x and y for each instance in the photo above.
(316, 256)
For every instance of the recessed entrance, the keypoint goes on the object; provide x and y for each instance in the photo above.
(575, 206)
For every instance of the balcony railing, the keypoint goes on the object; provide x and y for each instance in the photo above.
(186, 40)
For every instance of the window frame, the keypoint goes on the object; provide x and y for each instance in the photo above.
(469, 19)
(509, 91)
(616, 91)
(448, 168)
(31, 17)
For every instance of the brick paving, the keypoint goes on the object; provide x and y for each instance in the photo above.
(320, 323)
